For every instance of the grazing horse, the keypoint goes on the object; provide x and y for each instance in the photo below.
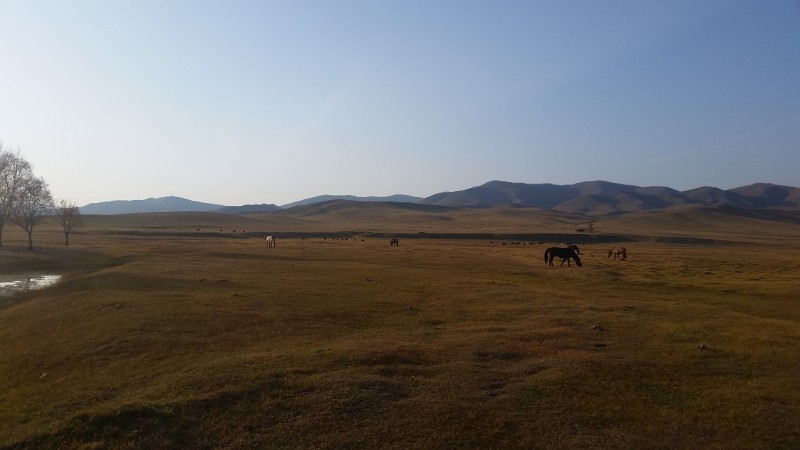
(270, 241)
(565, 253)
(619, 253)
(394, 242)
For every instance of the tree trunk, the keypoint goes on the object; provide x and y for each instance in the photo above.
(30, 238)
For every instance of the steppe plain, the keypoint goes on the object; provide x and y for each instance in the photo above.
(184, 331)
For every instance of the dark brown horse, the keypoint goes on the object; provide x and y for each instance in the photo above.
(565, 253)
(618, 253)
(394, 242)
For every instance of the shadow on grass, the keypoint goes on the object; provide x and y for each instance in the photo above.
(137, 427)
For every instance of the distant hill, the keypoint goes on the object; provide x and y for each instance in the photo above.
(326, 198)
(596, 198)
(341, 207)
(768, 195)
(249, 209)
(178, 204)
(496, 193)
(162, 204)
(588, 198)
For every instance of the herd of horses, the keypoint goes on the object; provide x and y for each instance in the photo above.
(570, 252)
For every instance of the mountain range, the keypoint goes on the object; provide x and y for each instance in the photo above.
(591, 198)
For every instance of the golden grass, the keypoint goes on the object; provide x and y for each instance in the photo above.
(161, 336)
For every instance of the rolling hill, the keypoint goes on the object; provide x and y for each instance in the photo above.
(161, 204)
(589, 198)
(598, 198)
(325, 198)
(249, 209)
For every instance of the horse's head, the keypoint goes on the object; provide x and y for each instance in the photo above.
(577, 260)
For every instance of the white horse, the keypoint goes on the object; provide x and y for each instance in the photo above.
(270, 241)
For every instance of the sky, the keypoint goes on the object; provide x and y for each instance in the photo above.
(248, 102)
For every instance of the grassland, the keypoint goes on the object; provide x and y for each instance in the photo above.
(173, 331)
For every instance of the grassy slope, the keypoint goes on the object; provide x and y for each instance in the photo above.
(212, 341)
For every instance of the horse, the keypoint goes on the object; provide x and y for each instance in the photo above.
(394, 242)
(565, 253)
(270, 241)
(619, 253)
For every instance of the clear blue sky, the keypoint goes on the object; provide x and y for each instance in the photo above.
(237, 102)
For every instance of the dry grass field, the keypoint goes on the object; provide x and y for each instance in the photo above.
(174, 331)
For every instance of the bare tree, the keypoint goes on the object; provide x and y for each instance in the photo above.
(14, 171)
(33, 203)
(68, 216)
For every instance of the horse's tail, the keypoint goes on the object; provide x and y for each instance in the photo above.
(545, 254)
(624, 253)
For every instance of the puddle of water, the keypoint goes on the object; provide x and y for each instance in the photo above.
(20, 283)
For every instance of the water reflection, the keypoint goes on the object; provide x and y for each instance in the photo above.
(20, 283)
